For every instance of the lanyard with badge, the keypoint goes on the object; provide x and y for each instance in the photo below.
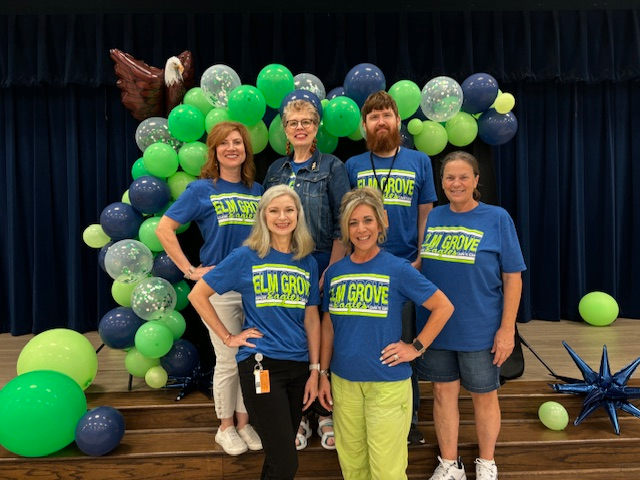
(261, 376)
(375, 174)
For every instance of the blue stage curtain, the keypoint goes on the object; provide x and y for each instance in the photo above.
(567, 177)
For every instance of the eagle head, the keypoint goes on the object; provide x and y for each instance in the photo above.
(173, 71)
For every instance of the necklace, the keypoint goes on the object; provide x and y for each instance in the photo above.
(375, 174)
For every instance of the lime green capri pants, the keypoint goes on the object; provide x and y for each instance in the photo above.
(371, 422)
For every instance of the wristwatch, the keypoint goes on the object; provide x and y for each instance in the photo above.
(314, 366)
(417, 344)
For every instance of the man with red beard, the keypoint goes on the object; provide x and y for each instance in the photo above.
(405, 178)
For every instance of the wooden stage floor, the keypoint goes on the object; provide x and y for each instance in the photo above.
(621, 338)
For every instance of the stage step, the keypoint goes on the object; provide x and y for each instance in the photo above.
(169, 439)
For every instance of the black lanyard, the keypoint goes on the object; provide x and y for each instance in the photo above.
(386, 183)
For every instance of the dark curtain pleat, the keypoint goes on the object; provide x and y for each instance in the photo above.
(568, 177)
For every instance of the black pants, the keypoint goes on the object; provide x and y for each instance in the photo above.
(276, 415)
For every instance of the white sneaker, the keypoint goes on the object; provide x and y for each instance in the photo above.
(486, 470)
(230, 441)
(449, 471)
(250, 437)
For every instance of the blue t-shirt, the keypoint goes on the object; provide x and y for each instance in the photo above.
(275, 291)
(409, 184)
(223, 211)
(465, 254)
(365, 303)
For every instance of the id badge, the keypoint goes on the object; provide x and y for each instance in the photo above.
(262, 383)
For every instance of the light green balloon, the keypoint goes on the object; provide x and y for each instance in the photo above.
(414, 126)
(61, 350)
(137, 364)
(357, 135)
(407, 96)
(432, 139)
(156, 377)
(553, 415)
(160, 160)
(277, 137)
(178, 183)
(121, 292)
(599, 309)
(94, 236)
(192, 156)
(462, 129)
(147, 234)
(327, 142)
(125, 197)
(175, 322)
(198, 99)
(259, 136)
(39, 412)
(215, 116)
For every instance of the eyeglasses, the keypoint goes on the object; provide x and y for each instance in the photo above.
(306, 123)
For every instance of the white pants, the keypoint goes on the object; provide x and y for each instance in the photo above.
(226, 384)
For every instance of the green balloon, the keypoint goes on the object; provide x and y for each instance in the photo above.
(94, 236)
(598, 308)
(183, 228)
(178, 183)
(553, 415)
(182, 291)
(327, 142)
(259, 136)
(462, 129)
(153, 339)
(216, 116)
(156, 377)
(407, 96)
(39, 412)
(357, 135)
(147, 234)
(138, 170)
(275, 81)
(186, 123)
(415, 126)
(247, 104)
(137, 364)
(432, 139)
(197, 98)
(61, 350)
(160, 160)
(341, 117)
(192, 156)
(121, 292)
(175, 322)
(277, 137)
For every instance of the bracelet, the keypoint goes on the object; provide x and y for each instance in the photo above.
(314, 366)
(191, 270)
(224, 342)
(324, 372)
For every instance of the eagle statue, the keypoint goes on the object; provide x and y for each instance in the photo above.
(150, 91)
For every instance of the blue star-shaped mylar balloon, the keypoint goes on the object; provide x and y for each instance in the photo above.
(602, 389)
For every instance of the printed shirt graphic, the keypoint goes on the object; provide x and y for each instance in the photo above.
(280, 285)
(366, 295)
(451, 244)
(224, 212)
(397, 185)
(275, 292)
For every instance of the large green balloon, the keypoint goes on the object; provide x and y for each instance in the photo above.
(39, 412)
(259, 136)
(61, 350)
(153, 339)
(432, 139)
(462, 129)
(137, 364)
(553, 415)
(598, 308)
(178, 183)
(275, 81)
(147, 234)
(160, 160)
(186, 123)
(215, 116)
(192, 156)
(341, 116)
(407, 96)
(247, 104)
(198, 99)
(175, 322)
(277, 137)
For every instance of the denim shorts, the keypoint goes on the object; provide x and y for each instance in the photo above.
(475, 370)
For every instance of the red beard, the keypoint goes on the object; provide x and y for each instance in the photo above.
(384, 140)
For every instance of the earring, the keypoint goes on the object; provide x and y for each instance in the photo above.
(313, 145)
(288, 146)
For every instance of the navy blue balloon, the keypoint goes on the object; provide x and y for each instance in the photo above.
(102, 253)
(496, 128)
(268, 116)
(100, 430)
(118, 327)
(479, 91)
(336, 92)
(182, 359)
(302, 95)
(363, 80)
(120, 220)
(149, 194)
(407, 138)
(164, 267)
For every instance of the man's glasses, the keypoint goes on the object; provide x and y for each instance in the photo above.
(306, 123)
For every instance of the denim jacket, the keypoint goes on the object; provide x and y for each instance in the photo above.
(321, 187)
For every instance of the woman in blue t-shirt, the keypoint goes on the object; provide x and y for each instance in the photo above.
(370, 389)
(279, 346)
(223, 203)
(471, 251)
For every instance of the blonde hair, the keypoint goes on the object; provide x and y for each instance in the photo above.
(259, 239)
(300, 105)
(362, 196)
(216, 136)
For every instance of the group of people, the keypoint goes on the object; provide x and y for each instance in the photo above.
(333, 289)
